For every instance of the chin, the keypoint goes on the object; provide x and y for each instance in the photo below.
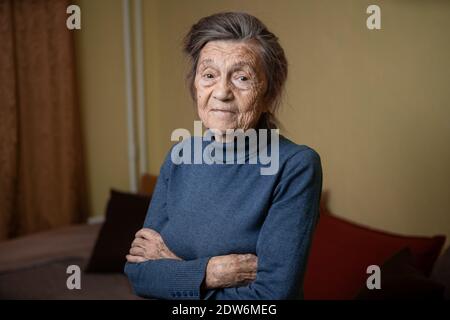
(223, 127)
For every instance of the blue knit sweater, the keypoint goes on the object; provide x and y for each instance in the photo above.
(206, 210)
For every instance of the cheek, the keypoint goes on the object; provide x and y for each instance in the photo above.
(249, 100)
(202, 96)
(202, 102)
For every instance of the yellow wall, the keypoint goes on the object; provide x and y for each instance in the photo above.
(99, 49)
(374, 104)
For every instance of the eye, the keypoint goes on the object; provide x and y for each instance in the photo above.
(208, 76)
(243, 78)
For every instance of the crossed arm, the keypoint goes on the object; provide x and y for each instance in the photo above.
(221, 272)
(277, 270)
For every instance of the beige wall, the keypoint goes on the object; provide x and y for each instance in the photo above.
(374, 104)
(102, 97)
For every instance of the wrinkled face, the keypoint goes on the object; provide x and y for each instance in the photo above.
(230, 84)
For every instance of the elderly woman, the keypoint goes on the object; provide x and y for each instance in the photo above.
(217, 231)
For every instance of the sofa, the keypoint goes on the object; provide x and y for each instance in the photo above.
(35, 266)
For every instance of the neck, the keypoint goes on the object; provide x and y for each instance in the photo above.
(223, 137)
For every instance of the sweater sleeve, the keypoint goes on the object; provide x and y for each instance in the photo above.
(165, 278)
(285, 237)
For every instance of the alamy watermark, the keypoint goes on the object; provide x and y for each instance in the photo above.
(73, 21)
(373, 22)
(213, 153)
(374, 280)
(74, 280)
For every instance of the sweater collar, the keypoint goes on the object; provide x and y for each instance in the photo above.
(244, 147)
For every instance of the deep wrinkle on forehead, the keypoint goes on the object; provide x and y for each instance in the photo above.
(237, 66)
(244, 59)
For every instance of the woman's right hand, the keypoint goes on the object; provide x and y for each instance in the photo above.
(231, 270)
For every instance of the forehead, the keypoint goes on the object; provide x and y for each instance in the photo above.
(230, 52)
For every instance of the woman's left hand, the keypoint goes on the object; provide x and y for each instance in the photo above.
(149, 245)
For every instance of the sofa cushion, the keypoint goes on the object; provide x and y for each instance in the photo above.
(124, 217)
(400, 280)
(441, 272)
(341, 252)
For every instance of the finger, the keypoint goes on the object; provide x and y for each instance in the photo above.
(140, 232)
(248, 262)
(253, 263)
(247, 257)
(249, 276)
(252, 257)
(135, 259)
(147, 233)
(138, 242)
(249, 266)
(137, 251)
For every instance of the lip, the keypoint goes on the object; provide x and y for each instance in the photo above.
(222, 110)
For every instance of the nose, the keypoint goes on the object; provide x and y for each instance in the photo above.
(222, 91)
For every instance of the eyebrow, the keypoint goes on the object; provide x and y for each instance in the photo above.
(240, 64)
(234, 67)
(206, 62)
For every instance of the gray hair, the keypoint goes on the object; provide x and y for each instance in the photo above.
(239, 26)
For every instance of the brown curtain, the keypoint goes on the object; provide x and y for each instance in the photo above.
(41, 163)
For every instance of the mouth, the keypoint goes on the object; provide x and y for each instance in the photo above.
(220, 110)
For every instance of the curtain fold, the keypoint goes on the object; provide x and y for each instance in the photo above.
(8, 120)
(42, 174)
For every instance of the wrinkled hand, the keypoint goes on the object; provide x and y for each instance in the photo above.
(225, 271)
(231, 270)
(149, 245)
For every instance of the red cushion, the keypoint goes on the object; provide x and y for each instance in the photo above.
(341, 252)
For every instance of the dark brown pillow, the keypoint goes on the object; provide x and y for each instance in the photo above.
(124, 217)
(401, 280)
